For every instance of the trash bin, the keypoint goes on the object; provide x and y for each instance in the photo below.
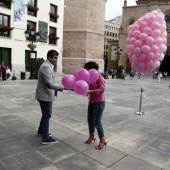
(23, 75)
(113, 75)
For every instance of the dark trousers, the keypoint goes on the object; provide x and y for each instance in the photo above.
(94, 117)
(46, 109)
(4, 75)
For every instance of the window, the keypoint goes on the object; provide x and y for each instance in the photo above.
(5, 25)
(106, 46)
(52, 36)
(6, 4)
(107, 33)
(53, 13)
(32, 7)
(110, 34)
(30, 25)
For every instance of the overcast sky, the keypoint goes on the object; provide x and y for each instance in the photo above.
(114, 8)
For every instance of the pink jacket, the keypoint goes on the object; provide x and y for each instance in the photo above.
(99, 88)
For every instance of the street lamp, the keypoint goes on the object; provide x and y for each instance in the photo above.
(33, 37)
(118, 52)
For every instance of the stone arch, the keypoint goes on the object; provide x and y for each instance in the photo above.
(126, 62)
(130, 21)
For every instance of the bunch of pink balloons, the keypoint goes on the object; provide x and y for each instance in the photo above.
(147, 39)
(79, 81)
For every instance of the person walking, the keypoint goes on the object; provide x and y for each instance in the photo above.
(3, 71)
(95, 107)
(45, 93)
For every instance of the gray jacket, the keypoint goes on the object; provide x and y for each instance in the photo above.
(46, 87)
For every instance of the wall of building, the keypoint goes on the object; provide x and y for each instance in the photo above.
(17, 41)
(83, 34)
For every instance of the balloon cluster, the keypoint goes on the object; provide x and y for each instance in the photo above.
(147, 39)
(79, 81)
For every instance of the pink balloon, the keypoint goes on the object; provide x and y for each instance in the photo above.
(132, 48)
(159, 18)
(130, 27)
(130, 34)
(164, 41)
(138, 43)
(134, 66)
(161, 57)
(81, 87)
(139, 21)
(157, 56)
(141, 66)
(147, 30)
(154, 48)
(163, 27)
(150, 56)
(137, 51)
(158, 41)
(130, 55)
(145, 48)
(156, 64)
(143, 25)
(83, 74)
(68, 81)
(135, 59)
(149, 41)
(155, 25)
(151, 18)
(154, 13)
(76, 75)
(94, 75)
(136, 33)
(132, 40)
(142, 57)
(162, 48)
(149, 63)
(156, 33)
(164, 34)
(143, 36)
(135, 27)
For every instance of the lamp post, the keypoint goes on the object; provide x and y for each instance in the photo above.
(33, 37)
(118, 52)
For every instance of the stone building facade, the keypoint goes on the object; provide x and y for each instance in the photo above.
(19, 16)
(133, 13)
(111, 42)
(83, 37)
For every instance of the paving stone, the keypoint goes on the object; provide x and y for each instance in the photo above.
(51, 167)
(7, 134)
(57, 152)
(107, 156)
(11, 147)
(78, 162)
(123, 144)
(132, 163)
(2, 167)
(77, 142)
(152, 156)
(7, 118)
(63, 133)
(26, 161)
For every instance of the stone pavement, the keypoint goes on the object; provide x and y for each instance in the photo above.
(135, 142)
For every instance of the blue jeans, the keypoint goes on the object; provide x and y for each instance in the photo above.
(46, 109)
(94, 117)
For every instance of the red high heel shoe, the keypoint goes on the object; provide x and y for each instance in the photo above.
(101, 144)
(90, 139)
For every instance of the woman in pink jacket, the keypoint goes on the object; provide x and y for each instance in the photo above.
(95, 107)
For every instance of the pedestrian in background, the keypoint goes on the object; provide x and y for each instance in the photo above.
(3, 71)
(95, 107)
(8, 72)
(45, 94)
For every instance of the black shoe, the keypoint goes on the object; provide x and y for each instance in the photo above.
(48, 141)
(40, 134)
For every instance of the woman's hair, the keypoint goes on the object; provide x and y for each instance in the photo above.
(91, 65)
(51, 53)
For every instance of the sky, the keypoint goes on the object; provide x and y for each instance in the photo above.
(114, 8)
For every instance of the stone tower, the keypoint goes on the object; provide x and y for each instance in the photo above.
(83, 38)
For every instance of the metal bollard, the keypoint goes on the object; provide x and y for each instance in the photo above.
(140, 103)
